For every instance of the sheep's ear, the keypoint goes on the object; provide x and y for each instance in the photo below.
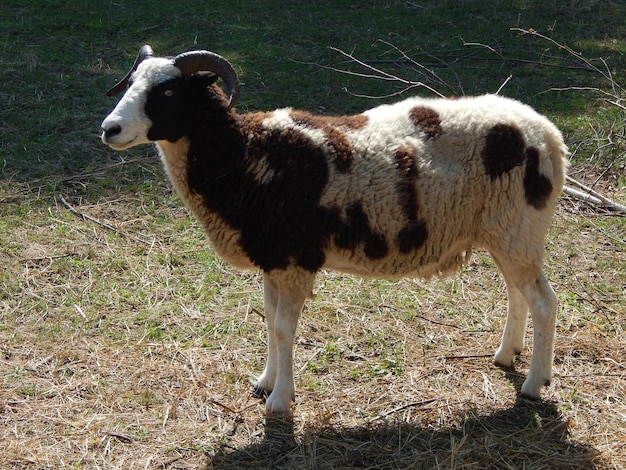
(144, 53)
(210, 77)
(203, 79)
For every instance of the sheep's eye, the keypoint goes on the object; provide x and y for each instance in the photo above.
(169, 93)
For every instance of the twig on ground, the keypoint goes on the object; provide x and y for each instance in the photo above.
(468, 356)
(121, 437)
(109, 227)
(448, 325)
(230, 410)
(590, 196)
(403, 407)
(254, 310)
(169, 462)
(75, 211)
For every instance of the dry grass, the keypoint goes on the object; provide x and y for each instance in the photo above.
(129, 345)
(135, 348)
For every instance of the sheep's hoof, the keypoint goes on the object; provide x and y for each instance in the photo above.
(510, 366)
(260, 392)
(529, 397)
(505, 360)
(275, 406)
(531, 389)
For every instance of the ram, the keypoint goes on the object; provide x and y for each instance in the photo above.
(406, 189)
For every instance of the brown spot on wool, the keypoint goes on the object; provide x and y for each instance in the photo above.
(408, 172)
(415, 233)
(357, 121)
(428, 120)
(504, 149)
(279, 220)
(337, 140)
(537, 187)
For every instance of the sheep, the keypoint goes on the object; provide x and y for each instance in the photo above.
(404, 189)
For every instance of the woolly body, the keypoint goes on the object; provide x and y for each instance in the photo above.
(401, 190)
(457, 202)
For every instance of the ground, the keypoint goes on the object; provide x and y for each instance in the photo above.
(126, 343)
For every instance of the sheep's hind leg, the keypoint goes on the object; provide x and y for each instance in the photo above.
(513, 337)
(265, 382)
(542, 302)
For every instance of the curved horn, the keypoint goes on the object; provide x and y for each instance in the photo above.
(196, 61)
(144, 53)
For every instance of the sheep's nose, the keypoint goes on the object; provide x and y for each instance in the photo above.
(112, 131)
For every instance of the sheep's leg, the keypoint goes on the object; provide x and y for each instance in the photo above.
(542, 302)
(290, 302)
(265, 382)
(515, 328)
(284, 295)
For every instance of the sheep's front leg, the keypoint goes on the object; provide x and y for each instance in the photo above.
(265, 382)
(283, 302)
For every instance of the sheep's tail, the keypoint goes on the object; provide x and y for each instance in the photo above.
(555, 166)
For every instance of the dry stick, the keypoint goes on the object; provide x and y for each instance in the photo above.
(591, 191)
(504, 84)
(607, 75)
(468, 356)
(590, 196)
(76, 212)
(6, 363)
(121, 437)
(382, 75)
(254, 310)
(230, 410)
(427, 70)
(581, 196)
(169, 462)
(403, 407)
(615, 103)
(448, 325)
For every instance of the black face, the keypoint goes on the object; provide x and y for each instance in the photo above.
(168, 105)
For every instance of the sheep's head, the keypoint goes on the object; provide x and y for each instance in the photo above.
(157, 93)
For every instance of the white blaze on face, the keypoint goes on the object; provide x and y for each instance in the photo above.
(127, 125)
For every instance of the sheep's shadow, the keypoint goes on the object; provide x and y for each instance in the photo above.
(527, 435)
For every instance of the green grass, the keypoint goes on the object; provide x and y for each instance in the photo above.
(56, 64)
(128, 343)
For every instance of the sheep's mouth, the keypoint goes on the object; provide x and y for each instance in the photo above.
(117, 145)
